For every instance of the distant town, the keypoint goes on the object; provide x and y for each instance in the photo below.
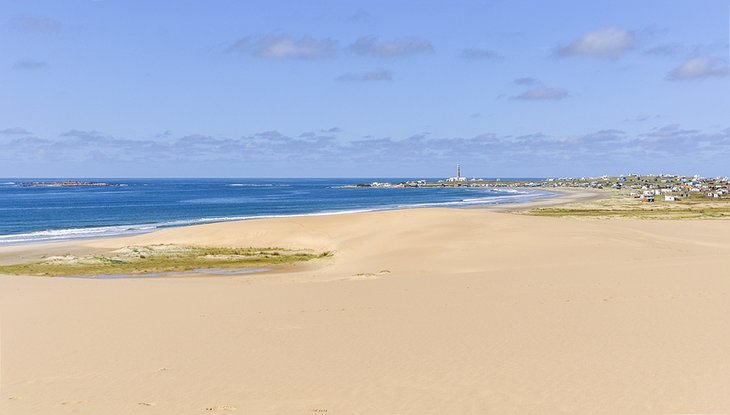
(648, 188)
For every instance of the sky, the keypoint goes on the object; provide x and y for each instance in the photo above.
(274, 88)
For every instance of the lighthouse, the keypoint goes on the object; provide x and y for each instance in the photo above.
(458, 177)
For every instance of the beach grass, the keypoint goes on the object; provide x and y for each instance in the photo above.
(160, 259)
(637, 213)
(621, 205)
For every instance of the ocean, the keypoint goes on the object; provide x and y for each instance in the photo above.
(42, 214)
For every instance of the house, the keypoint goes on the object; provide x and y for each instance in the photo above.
(456, 179)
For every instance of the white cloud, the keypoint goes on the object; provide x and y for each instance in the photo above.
(373, 46)
(605, 149)
(698, 68)
(610, 43)
(285, 47)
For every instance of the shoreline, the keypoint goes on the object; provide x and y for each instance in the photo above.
(145, 228)
(425, 311)
(33, 251)
(562, 196)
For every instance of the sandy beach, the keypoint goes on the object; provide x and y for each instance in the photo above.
(420, 311)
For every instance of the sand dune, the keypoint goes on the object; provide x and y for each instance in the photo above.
(425, 311)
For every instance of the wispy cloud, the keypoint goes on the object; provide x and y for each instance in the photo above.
(372, 46)
(360, 16)
(673, 139)
(285, 47)
(669, 49)
(694, 49)
(611, 148)
(698, 68)
(543, 94)
(526, 81)
(29, 65)
(642, 118)
(478, 54)
(36, 24)
(609, 43)
(14, 131)
(372, 76)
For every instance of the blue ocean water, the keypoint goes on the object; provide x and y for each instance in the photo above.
(30, 214)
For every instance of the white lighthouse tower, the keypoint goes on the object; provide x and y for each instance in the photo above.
(458, 177)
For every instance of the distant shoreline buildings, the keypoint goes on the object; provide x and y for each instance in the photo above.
(672, 187)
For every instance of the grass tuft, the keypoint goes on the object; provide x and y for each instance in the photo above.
(160, 258)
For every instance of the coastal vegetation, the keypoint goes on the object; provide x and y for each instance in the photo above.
(664, 196)
(165, 258)
(617, 209)
(645, 197)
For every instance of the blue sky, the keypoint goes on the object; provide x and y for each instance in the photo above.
(208, 88)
